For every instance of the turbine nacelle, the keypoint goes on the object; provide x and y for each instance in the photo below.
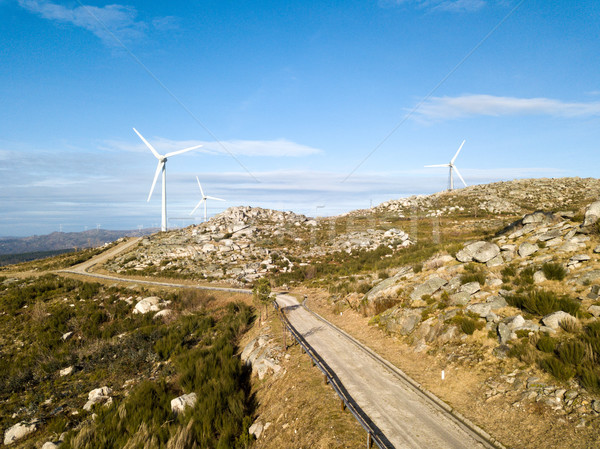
(161, 167)
(203, 200)
(452, 167)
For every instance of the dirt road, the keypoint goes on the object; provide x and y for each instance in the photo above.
(406, 417)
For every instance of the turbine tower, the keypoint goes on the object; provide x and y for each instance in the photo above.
(452, 167)
(161, 167)
(203, 200)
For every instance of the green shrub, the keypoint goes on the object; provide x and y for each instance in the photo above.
(546, 344)
(571, 353)
(478, 276)
(590, 380)
(556, 368)
(526, 276)
(554, 271)
(418, 268)
(543, 302)
(468, 326)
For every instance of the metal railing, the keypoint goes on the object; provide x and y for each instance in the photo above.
(374, 434)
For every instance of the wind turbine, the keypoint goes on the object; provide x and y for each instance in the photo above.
(203, 200)
(452, 167)
(162, 164)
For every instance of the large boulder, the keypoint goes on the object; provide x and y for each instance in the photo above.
(18, 431)
(553, 320)
(388, 287)
(429, 287)
(478, 251)
(592, 214)
(179, 404)
(527, 249)
(149, 304)
(401, 321)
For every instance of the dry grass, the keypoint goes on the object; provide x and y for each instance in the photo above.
(303, 411)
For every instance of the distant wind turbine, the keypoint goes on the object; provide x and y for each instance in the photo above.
(162, 164)
(452, 167)
(203, 200)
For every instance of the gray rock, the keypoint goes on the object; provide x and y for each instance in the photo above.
(594, 310)
(501, 351)
(569, 247)
(479, 251)
(592, 214)
(18, 431)
(580, 258)
(402, 321)
(497, 302)
(596, 405)
(536, 218)
(256, 429)
(589, 277)
(50, 445)
(496, 261)
(505, 334)
(553, 320)
(179, 404)
(482, 309)
(389, 286)
(539, 277)
(149, 304)
(429, 287)
(527, 249)
(549, 235)
(508, 248)
(460, 299)
(514, 322)
(97, 396)
(494, 283)
(470, 288)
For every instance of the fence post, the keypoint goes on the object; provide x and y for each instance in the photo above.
(369, 440)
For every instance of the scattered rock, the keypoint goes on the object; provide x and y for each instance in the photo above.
(50, 445)
(592, 214)
(553, 320)
(594, 310)
(429, 287)
(66, 371)
(256, 429)
(470, 288)
(18, 431)
(539, 277)
(527, 249)
(478, 251)
(149, 304)
(179, 404)
(97, 396)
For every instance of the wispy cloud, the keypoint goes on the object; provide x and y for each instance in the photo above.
(440, 5)
(119, 20)
(265, 148)
(446, 108)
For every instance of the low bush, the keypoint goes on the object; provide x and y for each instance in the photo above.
(554, 271)
(546, 344)
(571, 353)
(543, 302)
(556, 368)
(590, 380)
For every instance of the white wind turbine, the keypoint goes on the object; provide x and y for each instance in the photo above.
(203, 200)
(452, 167)
(162, 165)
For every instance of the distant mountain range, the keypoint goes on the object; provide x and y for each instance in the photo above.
(64, 240)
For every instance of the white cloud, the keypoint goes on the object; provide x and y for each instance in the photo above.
(440, 5)
(444, 108)
(118, 20)
(267, 148)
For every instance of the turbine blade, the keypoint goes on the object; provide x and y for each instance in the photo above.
(158, 156)
(213, 198)
(158, 169)
(461, 178)
(173, 153)
(200, 185)
(440, 165)
(456, 155)
(197, 206)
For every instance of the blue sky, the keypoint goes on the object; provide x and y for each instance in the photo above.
(297, 104)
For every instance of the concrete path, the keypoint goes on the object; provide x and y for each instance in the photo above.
(407, 417)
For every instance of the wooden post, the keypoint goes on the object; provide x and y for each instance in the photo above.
(369, 440)
(343, 404)
(325, 378)
(284, 338)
